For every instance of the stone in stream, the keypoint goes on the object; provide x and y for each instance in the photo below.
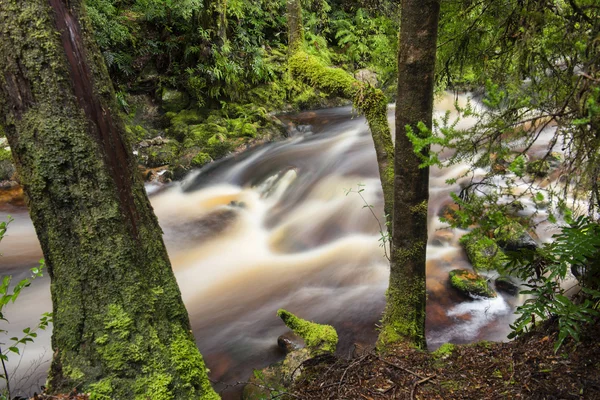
(289, 342)
(483, 252)
(470, 283)
(319, 339)
(514, 237)
(507, 285)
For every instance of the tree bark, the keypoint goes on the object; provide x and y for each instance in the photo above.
(120, 326)
(295, 27)
(404, 317)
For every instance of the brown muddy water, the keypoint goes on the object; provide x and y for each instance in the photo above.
(273, 228)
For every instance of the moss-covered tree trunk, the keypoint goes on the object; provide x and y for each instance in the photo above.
(120, 327)
(295, 27)
(404, 317)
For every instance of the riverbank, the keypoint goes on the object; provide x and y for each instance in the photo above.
(526, 368)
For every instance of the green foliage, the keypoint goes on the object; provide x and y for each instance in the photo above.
(576, 248)
(537, 62)
(8, 295)
(368, 41)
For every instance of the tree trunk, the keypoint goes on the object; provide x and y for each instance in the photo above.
(404, 318)
(120, 326)
(295, 27)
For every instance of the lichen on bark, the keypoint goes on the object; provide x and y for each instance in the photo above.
(120, 327)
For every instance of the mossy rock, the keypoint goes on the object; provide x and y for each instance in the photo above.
(507, 285)
(154, 156)
(483, 252)
(272, 381)
(514, 237)
(470, 283)
(200, 160)
(174, 100)
(7, 168)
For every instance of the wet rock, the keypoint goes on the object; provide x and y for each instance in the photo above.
(448, 211)
(304, 128)
(470, 283)
(506, 285)
(514, 237)
(289, 342)
(483, 252)
(367, 76)
(156, 152)
(174, 100)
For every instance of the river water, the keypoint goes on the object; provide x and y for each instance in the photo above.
(274, 227)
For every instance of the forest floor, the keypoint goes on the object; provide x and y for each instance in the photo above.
(527, 368)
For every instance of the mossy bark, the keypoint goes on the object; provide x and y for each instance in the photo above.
(367, 99)
(295, 27)
(120, 327)
(404, 317)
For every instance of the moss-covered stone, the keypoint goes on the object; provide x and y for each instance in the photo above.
(174, 100)
(470, 283)
(7, 168)
(483, 252)
(318, 338)
(200, 160)
(513, 237)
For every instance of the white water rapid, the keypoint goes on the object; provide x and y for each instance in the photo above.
(274, 228)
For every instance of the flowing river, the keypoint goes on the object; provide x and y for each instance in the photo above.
(275, 227)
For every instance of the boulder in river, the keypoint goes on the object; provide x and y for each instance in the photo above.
(482, 251)
(507, 285)
(514, 237)
(289, 342)
(470, 283)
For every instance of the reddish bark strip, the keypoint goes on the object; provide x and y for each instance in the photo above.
(101, 122)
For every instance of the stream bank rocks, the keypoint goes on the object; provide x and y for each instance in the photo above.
(319, 340)
(470, 283)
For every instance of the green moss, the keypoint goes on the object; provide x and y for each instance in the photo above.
(155, 387)
(470, 283)
(444, 351)
(174, 100)
(318, 338)
(200, 160)
(5, 155)
(101, 390)
(404, 315)
(483, 252)
(185, 117)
